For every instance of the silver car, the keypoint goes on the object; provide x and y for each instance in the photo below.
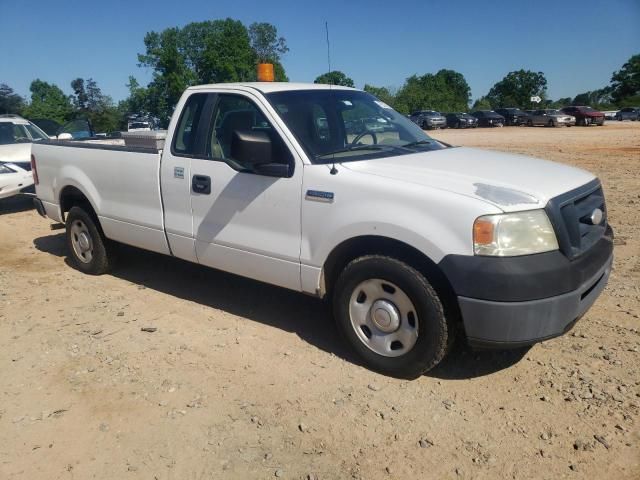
(550, 118)
(428, 119)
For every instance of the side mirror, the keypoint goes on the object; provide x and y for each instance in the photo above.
(251, 147)
(65, 136)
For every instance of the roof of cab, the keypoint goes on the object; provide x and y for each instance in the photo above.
(11, 118)
(269, 87)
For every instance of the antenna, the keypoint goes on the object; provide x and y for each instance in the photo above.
(326, 28)
(333, 170)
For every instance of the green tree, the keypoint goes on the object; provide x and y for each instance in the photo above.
(214, 51)
(481, 103)
(335, 77)
(171, 74)
(517, 88)
(625, 83)
(90, 102)
(561, 102)
(137, 103)
(444, 91)
(383, 93)
(80, 99)
(600, 98)
(217, 51)
(265, 42)
(48, 101)
(10, 101)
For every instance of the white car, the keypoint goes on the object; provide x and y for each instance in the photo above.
(13, 179)
(16, 137)
(139, 126)
(408, 237)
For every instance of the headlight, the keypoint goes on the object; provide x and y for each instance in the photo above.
(511, 234)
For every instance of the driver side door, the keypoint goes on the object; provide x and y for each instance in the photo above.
(243, 222)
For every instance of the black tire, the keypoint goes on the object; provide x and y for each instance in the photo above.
(551, 124)
(100, 259)
(434, 331)
(529, 123)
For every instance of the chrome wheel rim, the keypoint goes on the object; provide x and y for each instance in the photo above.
(383, 317)
(81, 241)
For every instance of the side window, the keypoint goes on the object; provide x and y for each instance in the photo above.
(184, 141)
(35, 133)
(237, 113)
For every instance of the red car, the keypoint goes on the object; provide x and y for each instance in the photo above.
(585, 115)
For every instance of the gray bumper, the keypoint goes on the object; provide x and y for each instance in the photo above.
(491, 324)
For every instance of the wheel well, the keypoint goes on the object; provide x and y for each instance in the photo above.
(72, 197)
(373, 245)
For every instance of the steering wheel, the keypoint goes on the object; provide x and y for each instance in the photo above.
(366, 132)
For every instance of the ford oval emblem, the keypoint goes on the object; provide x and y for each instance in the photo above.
(596, 216)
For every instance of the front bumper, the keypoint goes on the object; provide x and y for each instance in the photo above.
(569, 123)
(511, 302)
(517, 121)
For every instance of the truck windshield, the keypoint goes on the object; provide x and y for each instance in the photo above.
(348, 125)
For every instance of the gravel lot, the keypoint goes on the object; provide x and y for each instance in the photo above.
(244, 380)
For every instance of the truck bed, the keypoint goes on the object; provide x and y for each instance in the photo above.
(129, 201)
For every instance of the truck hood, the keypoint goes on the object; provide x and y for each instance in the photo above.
(509, 181)
(15, 153)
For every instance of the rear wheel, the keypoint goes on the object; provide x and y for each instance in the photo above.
(391, 316)
(88, 248)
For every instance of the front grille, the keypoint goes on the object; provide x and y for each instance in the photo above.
(570, 214)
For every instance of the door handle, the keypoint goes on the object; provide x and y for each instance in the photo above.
(201, 184)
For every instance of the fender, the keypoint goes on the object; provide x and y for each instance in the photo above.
(70, 175)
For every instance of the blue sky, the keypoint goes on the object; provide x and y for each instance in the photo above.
(577, 44)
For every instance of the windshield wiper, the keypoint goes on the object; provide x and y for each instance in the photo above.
(352, 148)
(415, 144)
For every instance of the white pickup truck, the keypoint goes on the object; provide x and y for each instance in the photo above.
(329, 191)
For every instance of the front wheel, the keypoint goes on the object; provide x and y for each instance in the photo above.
(391, 316)
(87, 246)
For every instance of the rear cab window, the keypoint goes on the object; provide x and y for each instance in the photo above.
(184, 141)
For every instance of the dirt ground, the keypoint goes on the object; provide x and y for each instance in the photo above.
(243, 380)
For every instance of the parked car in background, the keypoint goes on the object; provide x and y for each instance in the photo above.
(14, 179)
(550, 118)
(461, 120)
(139, 126)
(488, 118)
(48, 126)
(76, 129)
(16, 136)
(585, 116)
(428, 119)
(628, 113)
(513, 116)
(610, 114)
